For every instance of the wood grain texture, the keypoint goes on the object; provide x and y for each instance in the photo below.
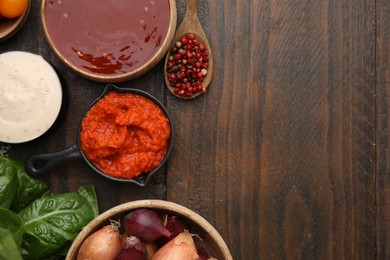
(287, 152)
(280, 151)
(383, 121)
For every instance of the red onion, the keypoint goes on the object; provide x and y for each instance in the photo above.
(175, 225)
(145, 224)
(132, 249)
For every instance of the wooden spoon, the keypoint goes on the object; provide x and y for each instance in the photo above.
(191, 24)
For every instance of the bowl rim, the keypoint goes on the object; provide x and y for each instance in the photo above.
(15, 23)
(151, 204)
(121, 77)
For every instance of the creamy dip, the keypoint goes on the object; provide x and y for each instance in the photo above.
(30, 96)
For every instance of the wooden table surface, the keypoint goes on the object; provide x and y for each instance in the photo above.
(286, 154)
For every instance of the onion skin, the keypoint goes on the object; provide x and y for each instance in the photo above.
(182, 247)
(124, 236)
(175, 225)
(132, 249)
(102, 244)
(151, 249)
(146, 224)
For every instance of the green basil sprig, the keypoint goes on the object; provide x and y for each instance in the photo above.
(28, 188)
(47, 223)
(52, 221)
(17, 188)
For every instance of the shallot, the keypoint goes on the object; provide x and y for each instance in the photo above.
(132, 249)
(175, 225)
(102, 244)
(182, 247)
(151, 249)
(146, 224)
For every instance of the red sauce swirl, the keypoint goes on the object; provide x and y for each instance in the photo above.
(125, 135)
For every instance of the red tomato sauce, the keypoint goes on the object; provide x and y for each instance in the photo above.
(125, 135)
(107, 36)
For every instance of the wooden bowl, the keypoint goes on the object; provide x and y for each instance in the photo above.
(211, 239)
(8, 27)
(92, 61)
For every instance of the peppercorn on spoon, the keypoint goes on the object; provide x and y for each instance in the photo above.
(189, 26)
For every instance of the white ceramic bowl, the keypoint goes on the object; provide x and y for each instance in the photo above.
(30, 96)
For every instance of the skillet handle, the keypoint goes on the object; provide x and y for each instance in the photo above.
(40, 164)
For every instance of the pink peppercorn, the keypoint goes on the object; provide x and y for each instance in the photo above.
(187, 66)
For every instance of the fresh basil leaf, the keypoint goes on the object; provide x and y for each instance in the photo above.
(50, 222)
(89, 193)
(12, 222)
(28, 188)
(8, 247)
(8, 182)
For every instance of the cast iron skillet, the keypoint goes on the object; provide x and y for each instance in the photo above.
(40, 164)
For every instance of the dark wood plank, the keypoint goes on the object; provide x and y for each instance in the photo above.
(279, 154)
(383, 142)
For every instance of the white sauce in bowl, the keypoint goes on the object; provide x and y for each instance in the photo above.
(30, 96)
